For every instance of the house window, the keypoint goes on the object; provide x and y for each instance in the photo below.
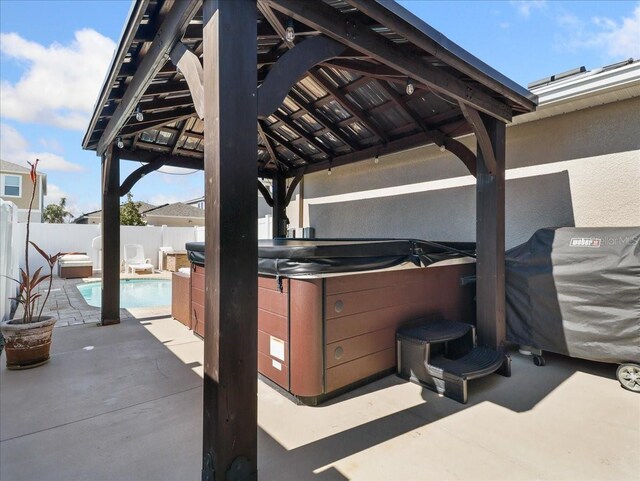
(11, 185)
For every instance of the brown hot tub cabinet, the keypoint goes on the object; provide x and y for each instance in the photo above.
(323, 333)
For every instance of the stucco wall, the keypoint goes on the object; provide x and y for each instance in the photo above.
(580, 168)
(22, 202)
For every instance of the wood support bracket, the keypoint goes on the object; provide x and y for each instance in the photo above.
(290, 67)
(266, 194)
(189, 65)
(482, 136)
(292, 187)
(138, 174)
(463, 152)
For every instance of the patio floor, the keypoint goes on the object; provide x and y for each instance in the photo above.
(125, 403)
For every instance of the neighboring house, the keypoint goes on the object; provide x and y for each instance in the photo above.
(95, 217)
(17, 188)
(573, 162)
(178, 214)
(172, 215)
(263, 207)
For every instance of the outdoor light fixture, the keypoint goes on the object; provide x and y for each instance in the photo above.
(442, 148)
(376, 160)
(290, 33)
(139, 114)
(410, 87)
(120, 143)
(329, 171)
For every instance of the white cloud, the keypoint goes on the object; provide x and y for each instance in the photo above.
(160, 199)
(620, 39)
(525, 7)
(55, 193)
(15, 148)
(615, 39)
(60, 83)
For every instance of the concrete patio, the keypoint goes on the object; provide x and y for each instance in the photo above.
(125, 403)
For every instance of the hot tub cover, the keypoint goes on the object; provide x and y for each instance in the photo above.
(288, 257)
(576, 291)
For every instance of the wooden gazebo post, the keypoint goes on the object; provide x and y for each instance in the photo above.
(490, 231)
(110, 231)
(230, 135)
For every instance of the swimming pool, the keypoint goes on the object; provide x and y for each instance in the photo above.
(133, 293)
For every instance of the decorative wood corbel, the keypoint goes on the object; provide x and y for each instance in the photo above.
(290, 67)
(482, 136)
(189, 65)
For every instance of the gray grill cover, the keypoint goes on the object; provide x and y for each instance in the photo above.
(576, 291)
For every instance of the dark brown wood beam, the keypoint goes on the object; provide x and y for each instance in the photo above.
(347, 104)
(371, 70)
(292, 187)
(178, 135)
(269, 146)
(172, 28)
(157, 120)
(110, 232)
(272, 19)
(230, 424)
(291, 67)
(265, 194)
(138, 174)
(392, 147)
(490, 241)
(167, 159)
(359, 36)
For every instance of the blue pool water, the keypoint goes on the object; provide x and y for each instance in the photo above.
(133, 293)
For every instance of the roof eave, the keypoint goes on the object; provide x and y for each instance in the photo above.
(475, 68)
(134, 18)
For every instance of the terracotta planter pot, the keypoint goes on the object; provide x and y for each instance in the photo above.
(27, 345)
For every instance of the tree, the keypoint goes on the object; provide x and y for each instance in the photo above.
(56, 213)
(130, 212)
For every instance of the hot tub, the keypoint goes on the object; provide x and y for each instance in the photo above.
(328, 309)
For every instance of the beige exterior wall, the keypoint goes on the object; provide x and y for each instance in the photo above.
(577, 169)
(22, 202)
(174, 221)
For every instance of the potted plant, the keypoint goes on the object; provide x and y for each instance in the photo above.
(28, 338)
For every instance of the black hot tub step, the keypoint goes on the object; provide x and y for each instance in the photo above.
(434, 331)
(449, 376)
(480, 362)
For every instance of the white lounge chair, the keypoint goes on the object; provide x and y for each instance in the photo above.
(134, 259)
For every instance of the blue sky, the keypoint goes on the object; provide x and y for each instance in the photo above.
(54, 55)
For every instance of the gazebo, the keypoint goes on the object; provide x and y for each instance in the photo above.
(276, 89)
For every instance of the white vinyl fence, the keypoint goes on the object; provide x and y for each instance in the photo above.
(54, 238)
(8, 257)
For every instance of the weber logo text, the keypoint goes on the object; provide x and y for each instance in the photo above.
(585, 242)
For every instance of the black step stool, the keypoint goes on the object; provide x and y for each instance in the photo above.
(443, 355)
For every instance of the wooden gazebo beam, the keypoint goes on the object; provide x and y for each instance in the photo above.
(356, 35)
(168, 34)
